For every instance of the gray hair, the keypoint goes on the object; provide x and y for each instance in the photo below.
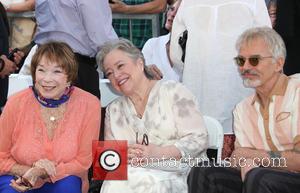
(127, 47)
(268, 35)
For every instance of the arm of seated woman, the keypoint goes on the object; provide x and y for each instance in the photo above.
(153, 151)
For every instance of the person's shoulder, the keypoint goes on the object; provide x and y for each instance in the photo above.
(157, 40)
(293, 87)
(21, 95)
(20, 98)
(173, 88)
(150, 43)
(171, 85)
(80, 95)
(295, 80)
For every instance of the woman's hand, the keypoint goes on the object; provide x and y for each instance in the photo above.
(20, 184)
(41, 170)
(138, 153)
(28, 180)
(47, 165)
(143, 151)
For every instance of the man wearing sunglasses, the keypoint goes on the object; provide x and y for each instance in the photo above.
(266, 158)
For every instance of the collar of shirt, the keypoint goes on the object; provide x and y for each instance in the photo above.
(278, 89)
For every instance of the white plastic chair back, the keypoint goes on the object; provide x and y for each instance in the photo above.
(215, 135)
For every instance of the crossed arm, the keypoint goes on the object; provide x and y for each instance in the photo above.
(251, 158)
(155, 6)
(28, 5)
(286, 160)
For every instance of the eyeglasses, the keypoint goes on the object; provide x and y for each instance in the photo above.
(253, 60)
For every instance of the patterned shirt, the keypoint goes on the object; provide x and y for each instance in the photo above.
(274, 126)
(141, 28)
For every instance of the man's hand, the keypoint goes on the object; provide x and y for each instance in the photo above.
(157, 75)
(9, 67)
(118, 6)
(18, 56)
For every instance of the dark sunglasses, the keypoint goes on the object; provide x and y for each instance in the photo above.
(253, 60)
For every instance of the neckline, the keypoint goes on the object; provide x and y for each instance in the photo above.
(150, 96)
(59, 129)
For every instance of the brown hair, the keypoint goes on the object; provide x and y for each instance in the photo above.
(60, 53)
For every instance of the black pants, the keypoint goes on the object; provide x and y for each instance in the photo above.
(3, 91)
(88, 77)
(228, 180)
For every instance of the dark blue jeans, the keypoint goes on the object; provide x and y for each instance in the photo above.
(70, 184)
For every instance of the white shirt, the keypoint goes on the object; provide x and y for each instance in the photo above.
(85, 25)
(155, 52)
(8, 2)
(209, 70)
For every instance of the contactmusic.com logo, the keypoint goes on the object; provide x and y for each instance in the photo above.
(110, 160)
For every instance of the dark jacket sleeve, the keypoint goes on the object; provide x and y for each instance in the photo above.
(4, 32)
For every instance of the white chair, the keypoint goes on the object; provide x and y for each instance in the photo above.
(19, 82)
(215, 135)
(108, 94)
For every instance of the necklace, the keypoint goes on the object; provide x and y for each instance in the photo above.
(52, 118)
(140, 105)
(52, 115)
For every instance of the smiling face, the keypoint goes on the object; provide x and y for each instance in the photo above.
(262, 75)
(172, 10)
(51, 80)
(124, 73)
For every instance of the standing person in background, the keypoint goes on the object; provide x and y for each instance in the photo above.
(22, 28)
(288, 26)
(142, 30)
(157, 50)
(272, 9)
(208, 70)
(84, 26)
(6, 66)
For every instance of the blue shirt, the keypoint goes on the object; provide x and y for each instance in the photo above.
(83, 24)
